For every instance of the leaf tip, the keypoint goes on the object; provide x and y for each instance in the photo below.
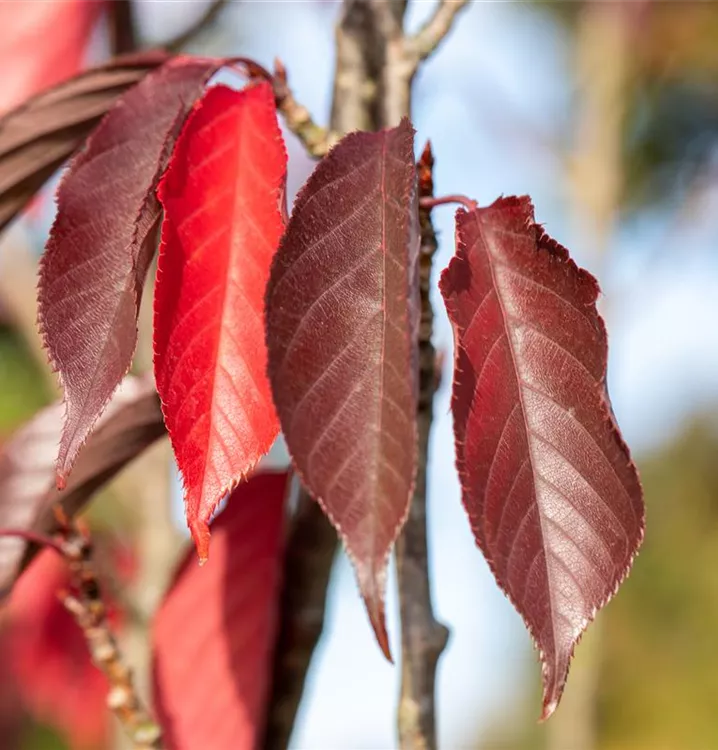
(200, 537)
(554, 673)
(378, 623)
(372, 586)
(65, 460)
(548, 708)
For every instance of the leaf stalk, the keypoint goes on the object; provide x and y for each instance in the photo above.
(428, 202)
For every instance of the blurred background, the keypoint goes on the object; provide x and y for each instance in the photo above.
(606, 113)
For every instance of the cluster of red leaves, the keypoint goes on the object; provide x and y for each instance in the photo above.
(313, 327)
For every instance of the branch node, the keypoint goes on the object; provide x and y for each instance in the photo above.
(420, 46)
(316, 140)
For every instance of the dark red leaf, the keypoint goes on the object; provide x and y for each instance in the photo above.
(102, 242)
(214, 634)
(553, 497)
(132, 422)
(342, 316)
(39, 135)
(221, 228)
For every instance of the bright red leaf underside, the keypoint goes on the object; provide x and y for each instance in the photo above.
(553, 497)
(102, 242)
(214, 634)
(221, 228)
(342, 313)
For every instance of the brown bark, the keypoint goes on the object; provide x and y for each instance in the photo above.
(423, 638)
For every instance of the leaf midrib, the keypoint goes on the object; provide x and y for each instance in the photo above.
(505, 316)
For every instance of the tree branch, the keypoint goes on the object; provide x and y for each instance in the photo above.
(86, 606)
(211, 13)
(308, 563)
(431, 34)
(316, 139)
(123, 30)
(423, 639)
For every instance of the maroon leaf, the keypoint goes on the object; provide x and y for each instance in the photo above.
(132, 422)
(552, 495)
(102, 242)
(342, 317)
(40, 134)
(214, 634)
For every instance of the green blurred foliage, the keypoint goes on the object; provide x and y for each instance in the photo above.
(658, 686)
(22, 389)
(42, 738)
(671, 123)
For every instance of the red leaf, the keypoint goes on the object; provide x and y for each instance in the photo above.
(49, 659)
(342, 316)
(102, 242)
(37, 136)
(41, 44)
(221, 228)
(132, 422)
(553, 497)
(214, 634)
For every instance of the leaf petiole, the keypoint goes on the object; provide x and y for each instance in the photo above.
(34, 538)
(467, 203)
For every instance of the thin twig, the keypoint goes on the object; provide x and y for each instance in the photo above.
(423, 639)
(85, 604)
(316, 139)
(430, 35)
(32, 537)
(211, 13)
(123, 29)
(308, 563)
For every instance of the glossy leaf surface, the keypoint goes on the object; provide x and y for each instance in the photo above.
(221, 228)
(132, 422)
(41, 133)
(213, 636)
(342, 317)
(102, 242)
(552, 495)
